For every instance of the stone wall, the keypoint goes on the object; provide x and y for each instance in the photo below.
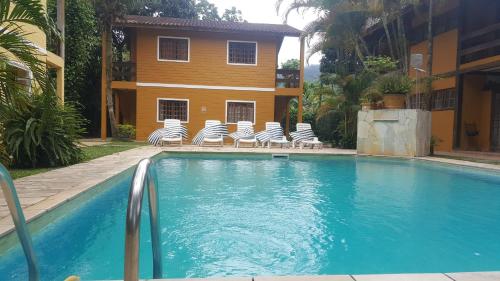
(395, 132)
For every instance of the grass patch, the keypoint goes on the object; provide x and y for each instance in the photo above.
(89, 153)
(19, 173)
(93, 152)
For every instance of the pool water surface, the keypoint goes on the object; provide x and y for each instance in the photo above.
(244, 215)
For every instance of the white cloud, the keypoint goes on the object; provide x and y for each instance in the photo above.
(264, 11)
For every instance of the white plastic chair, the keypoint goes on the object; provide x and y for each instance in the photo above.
(281, 141)
(301, 127)
(213, 139)
(242, 126)
(172, 123)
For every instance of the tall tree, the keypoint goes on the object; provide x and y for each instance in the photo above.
(81, 42)
(108, 12)
(207, 10)
(167, 8)
(291, 64)
(339, 25)
(233, 15)
(430, 55)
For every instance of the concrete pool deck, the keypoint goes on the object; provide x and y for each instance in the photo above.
(44, 192)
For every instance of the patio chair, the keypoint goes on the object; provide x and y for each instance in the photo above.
(244, 134)
(213, 138)
(312, 143)
(304, 133)
(276, 135)
(176, 135)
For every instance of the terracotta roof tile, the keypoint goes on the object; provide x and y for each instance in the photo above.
(206, 25)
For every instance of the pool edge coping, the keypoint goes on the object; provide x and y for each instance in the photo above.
(448, 276)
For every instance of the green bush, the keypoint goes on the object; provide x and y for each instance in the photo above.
(126, 132)
(40, 131)
(394, 83)
(4, 156)
(380, 65)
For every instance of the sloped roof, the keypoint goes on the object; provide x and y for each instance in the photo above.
(208, 25)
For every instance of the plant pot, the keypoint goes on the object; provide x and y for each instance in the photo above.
(394, 101)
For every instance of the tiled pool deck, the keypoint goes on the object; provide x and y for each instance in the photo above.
(44, 192)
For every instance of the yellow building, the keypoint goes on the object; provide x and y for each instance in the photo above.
(195, 70)
(466, 58)
(52, 53)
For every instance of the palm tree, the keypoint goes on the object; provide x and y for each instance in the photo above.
(108, 12)
(14, 14)
(340, 25)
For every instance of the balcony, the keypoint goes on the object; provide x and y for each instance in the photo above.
(480, 44)
(54, 43)
(124, 71)
(287, 78)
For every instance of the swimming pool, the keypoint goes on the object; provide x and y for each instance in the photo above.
(241, 215)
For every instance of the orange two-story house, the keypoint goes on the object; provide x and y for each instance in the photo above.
(196, 70)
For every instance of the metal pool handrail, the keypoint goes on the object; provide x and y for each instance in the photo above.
(143, 175)
(10, 194)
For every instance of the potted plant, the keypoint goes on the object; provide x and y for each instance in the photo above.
(371, 99)
(434, 142)
(394, 87)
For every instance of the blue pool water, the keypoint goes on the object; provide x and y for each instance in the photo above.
(250, 215)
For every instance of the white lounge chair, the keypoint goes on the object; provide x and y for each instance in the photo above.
(312, 143)
(297, 138)
(281, 140)
(168, 123)
(213, 139)
(244, 128)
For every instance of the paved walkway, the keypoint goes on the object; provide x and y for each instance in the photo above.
(492, 157)
(43, 192)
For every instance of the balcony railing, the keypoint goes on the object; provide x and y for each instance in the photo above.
(124, 71)
(287, 78)
(480, 44)
(54, 43)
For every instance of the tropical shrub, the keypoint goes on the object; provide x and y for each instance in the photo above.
(126, 132)
(393, 83)
(40, 131)
(4, 156)
(380, 64)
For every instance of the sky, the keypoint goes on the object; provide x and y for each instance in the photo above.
(264, 11)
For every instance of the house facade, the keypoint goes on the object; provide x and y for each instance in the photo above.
(196, 70)
(466, 64)
(50, 51)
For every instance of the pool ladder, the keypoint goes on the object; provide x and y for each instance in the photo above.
(10, 194)
(143, 175)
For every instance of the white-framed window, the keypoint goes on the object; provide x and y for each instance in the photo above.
(172, 109)
(22, 75)
(240, 110)
(174, 49)
(242, 52)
